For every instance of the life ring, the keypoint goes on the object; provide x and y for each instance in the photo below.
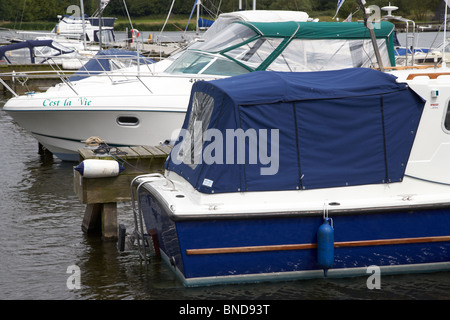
(135, 32)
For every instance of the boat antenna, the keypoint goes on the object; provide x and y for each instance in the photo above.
(361, 4)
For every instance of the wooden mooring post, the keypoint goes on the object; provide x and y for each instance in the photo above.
(101, 195)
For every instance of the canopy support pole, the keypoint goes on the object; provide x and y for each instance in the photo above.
(372, 34)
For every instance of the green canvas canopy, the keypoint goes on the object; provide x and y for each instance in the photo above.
(321, 30)
(288, 46)
(326, 30)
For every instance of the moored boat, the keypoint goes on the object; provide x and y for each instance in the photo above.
(69, 113)
(358, 153)
(43, 51)
(94, 28)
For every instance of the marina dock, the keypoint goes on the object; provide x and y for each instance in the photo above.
(30, 77)
(101, 195)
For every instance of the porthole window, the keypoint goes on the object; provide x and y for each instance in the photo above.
(127, 121)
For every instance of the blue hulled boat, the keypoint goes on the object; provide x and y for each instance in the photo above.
(278, 176)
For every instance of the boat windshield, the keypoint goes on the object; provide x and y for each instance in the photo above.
(194, 62)
(229, 62)
(233, 35)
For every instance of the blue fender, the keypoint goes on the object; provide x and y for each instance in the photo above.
(325, 246)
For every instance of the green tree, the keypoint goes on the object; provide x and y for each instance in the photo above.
(47, 10)
(8, 10)
(301, 5)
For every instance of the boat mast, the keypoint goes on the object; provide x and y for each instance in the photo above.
(444, 64)
(199, 3)
(84, 24)
(361, 4)
(100, 24)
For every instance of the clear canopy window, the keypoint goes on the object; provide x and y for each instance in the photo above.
(231, 36)
(220, 24)
(192, 145)
(327, 54)
(45, 52)
(288, 46)
(254, 53)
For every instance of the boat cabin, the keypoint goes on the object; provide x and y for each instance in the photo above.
(274, 131)
(72, 28)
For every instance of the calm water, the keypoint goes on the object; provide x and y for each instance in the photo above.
(40, 237)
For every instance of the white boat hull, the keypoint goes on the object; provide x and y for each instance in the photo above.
(61, 120)
(64, 138)
(55, 117)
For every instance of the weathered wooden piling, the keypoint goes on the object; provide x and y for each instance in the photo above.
(101, 195)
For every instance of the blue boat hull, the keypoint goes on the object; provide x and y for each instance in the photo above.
(211, 250)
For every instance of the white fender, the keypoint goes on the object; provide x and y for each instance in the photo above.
(96, 168)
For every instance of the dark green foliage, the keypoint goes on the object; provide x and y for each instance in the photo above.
(47, 10)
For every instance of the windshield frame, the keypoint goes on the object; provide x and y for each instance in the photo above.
(192, 57)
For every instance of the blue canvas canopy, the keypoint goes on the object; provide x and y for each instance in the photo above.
(288, 131)
(30, 45)
(101, 62)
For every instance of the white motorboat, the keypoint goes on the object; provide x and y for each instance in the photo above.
(83, 27)
(72, 42)
(72, 28)
(147, 105)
